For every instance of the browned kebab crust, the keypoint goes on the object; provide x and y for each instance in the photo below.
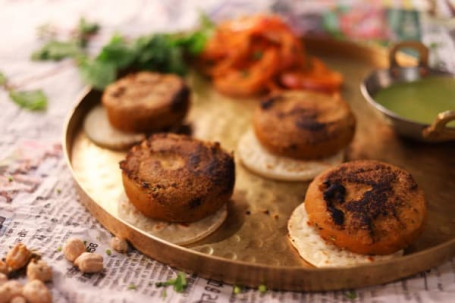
(367, 207)
(146, 102)
(177, 178)
(304, 125)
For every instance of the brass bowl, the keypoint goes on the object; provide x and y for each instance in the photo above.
(438, 131)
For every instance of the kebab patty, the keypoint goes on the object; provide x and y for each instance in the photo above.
(176, 178)
(367, 207)
(304, 125)
(146, 102)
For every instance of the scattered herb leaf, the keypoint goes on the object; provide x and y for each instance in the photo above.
(132, 286)
(164, 293)
(108, 252)
(350, 294)
(59, 249)
(85, 29)
(2, 79)
(57, 50)
(32, 99)
(237, 290)
(10, 179)
(59, 191)
(262, 288)
(179, 283)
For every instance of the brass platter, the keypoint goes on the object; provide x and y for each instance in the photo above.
(251, 247)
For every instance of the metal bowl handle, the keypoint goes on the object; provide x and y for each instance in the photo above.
(416, 45)
(438, 131)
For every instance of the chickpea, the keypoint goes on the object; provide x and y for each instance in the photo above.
(10, 290)
(18, 257)
(119, 244)
(36, 292)
(89, 262)
(73, 248)
(3, 279)
(3, 267)
(39, 270)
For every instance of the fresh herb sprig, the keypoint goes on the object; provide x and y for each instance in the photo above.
(33, 100)
(164, 53)
(56, 50)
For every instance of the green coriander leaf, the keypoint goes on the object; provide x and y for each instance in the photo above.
(197, 43)
(237, 290)
(180, 282)
(84, 31)
(157, 53)
(176, 64)
(262, 288)
(117, 52)
(97, 73)
(10, 179)
(57, 50)
(3, 79)
(351, 295)
(193, 43)
(198, 39)
(59, 191)
(164, 293)
(31, 100)
(132, 286)
(205, 21)
(108, 252)
(59, 249)
(85, 27)
(151, 47)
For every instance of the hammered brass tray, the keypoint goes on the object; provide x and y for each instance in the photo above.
(251, 247)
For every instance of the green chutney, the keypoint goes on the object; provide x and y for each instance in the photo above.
(421, 100)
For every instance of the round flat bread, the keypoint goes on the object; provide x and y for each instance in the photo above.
(313, 249)
(98, 128)
(260, 161)
(180, 234)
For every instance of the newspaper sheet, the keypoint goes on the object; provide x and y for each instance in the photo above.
(38, 202)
